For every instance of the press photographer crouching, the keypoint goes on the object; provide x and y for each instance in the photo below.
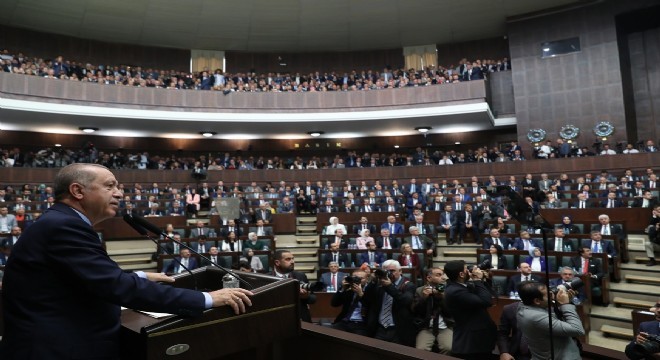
(646, 344)
(349, 297)
(532, 320)
(431, 316)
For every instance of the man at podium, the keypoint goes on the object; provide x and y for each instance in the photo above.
(61, 291)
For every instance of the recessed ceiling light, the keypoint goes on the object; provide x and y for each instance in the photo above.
(87, 129)
(315, 133)
(58, 145)
(423, 129)
(396, 146)
(207, 133)
(457, 143)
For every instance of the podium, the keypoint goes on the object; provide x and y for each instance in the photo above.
(219, 331)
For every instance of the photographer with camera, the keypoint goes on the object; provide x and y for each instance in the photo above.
(653, 243)
(431, 316)
(532, 320)
(646, 344)
(349, 297)
(468, 298)
(284, 264)
(388, 299)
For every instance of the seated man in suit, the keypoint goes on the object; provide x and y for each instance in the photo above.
(394, 227)
(333, 279)
(11, 239)
(422, 242)
(263, 213)
(334, 256)
(364, 225)
(368, 207)
(646, 201)
(231, 227)
(495, 239)
(468, 221)
(338, 239)
(286, 206)
(583, 202)
(525, 275)
(327, 207)
(261, 229)
(448, 224)
(567, 275)
(606, 228)
(597, 245)
(372, 257)
(176, 209)
(199, 229)
(611, 201)
(585, 264)
(634, 349)
(525, 242)
(185, 259)
(153, 211)
(385, 241)
(560, 243)
(551, 203)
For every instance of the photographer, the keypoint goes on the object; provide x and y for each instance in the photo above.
(468, 298)
(653, 243)
(284, 265)
(431, 316)
(349, 297)
(646, 344)
(388, 299)
(533, 322)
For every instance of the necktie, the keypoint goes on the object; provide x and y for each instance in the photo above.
(558, 244)
(652, 184)
(585, 267)
(447, 219)
(581, 204)
(391, 229)
(418, 244)
(371, 257)
(468, 221)
(334, 281)
(596, 247)
(527, 278)
(611, 205)
(334, 257)
(606, 230)
(386, 243)
(214, 259)
(458, 206)
(385, 317)
(184, 262)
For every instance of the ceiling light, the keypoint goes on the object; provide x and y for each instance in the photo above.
(546, 49)
(207, 133)
(396, 146)
(87, 129)
(457, 143)
(315, 133)
(58, 145)
(423, 129)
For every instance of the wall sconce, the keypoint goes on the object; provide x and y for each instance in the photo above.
(604, 129)
(569, 133)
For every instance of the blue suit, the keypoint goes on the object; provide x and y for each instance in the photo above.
(398, 228)
(379, 258)
(650, 327)
(62, 293)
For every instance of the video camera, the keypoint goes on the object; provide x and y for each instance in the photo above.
(353, 280)
(384, 274)
(650, 346)
(312, 286)
(575, 285)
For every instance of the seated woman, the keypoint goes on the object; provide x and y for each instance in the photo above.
(535, 260)
(365, 237)
(192, 203)
(231, 243)
(495, 259)
(255, 263)
(569, 227)
(408, 258)
(334, 225)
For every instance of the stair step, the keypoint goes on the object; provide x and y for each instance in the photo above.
(304, 253)
(643, 279)
(137, 259)
(306, 240)
(631, 303)
(129, 251)
(306, 268)
(609, 330)
(141, 267)
(306, 220)
(459, 252)
(641, 259)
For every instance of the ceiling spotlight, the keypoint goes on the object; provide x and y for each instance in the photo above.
(207, 133)
(58, 145)
(396, 146)
(457, 143)
(423, 129)
(315, 133)
(546, 49)
(87, 129)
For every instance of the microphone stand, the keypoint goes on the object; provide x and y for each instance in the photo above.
(156, 230)
(519, 213)
(128, 219)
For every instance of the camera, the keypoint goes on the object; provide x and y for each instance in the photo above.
(575, 285)
(353, 280)
(439, 288)
(383, 274)
(313, 286)
(482, 266)
(650, 346)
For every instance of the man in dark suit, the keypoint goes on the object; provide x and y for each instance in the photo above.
(495, 239)
(231, 227)
(385, 241)
(334, 277)
(525, 275)
(597, 245)
(583, 202)
(351, 318)
(73, 300)
(467, 221)
(567, 275)
(468, 299)
(364, 225)
(10, 241)
(585, 264)
(611, 201)
(388, 301)
(448, 224)
(368, 207)
(372, 257)
(184, 257)
(284, 265)
(525, 242)
(646, 201)
(394, 227)
(431, 316)
(199, 229)
(560, 243)
(327, 207)
(334, 255)
(645, 329)
(510, 340)
(261, 230)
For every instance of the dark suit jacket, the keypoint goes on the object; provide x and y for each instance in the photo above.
(509, 337)
(304, 303)
(520, 245)
(173, 266)
(638, 202)
(346, 300)
(259, 215)
(515, 280)
(379, 258)
(595, 268)
(68, 305)
(650, 327)
(488, 241)
(357, 228)
(398, 228)
(401, 308)
(474, 330)
(606, 246)
(341, 259)
(395, 242)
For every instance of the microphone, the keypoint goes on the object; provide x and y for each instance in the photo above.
(142, 222)
(142, 231)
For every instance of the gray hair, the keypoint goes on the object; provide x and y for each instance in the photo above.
(387, 263)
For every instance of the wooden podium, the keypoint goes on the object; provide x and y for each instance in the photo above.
(218, 332)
